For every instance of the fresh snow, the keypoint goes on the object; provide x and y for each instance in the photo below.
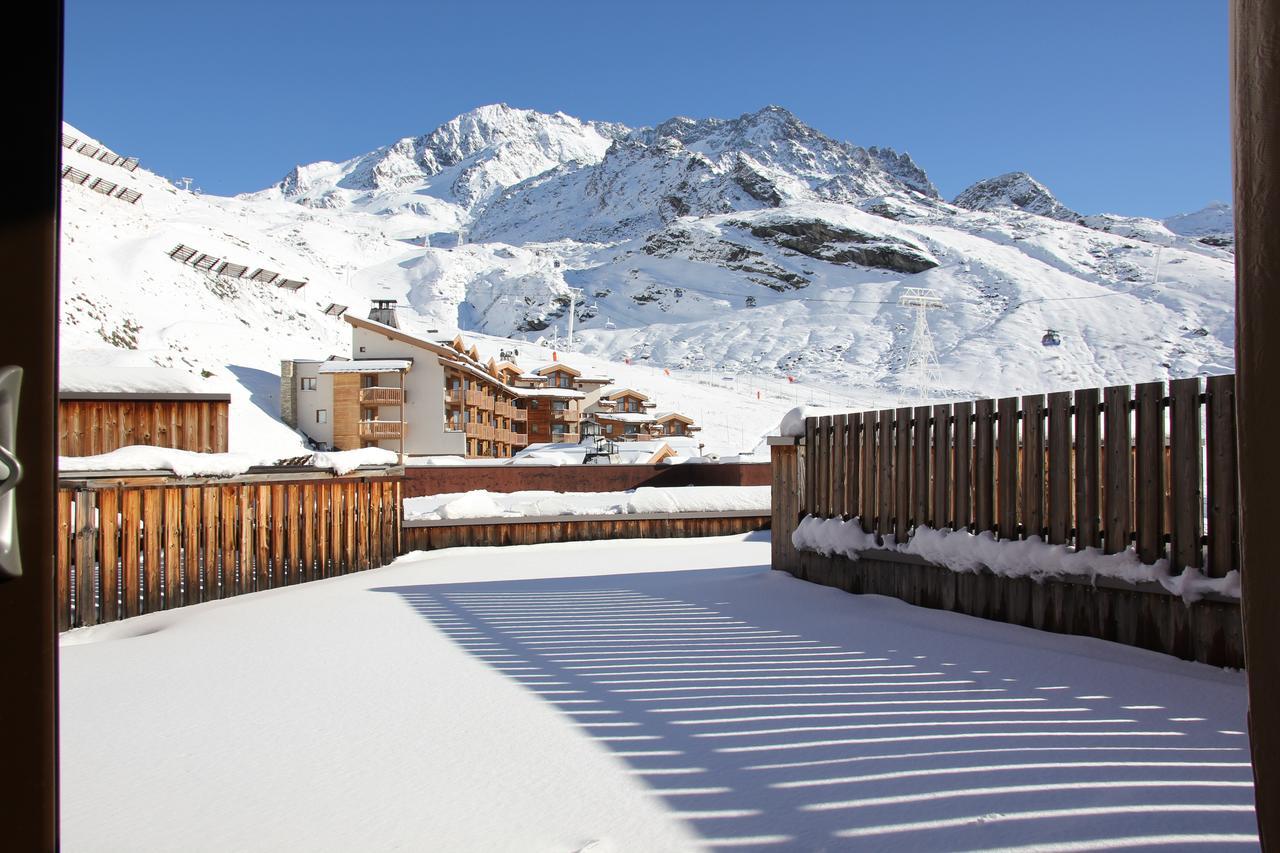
(484, 504)
(632, 696)
(188, 463)
(962, 551)
(143, 378)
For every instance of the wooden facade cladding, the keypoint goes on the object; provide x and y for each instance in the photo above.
(87, 427)
(484, 409)
(346, 411)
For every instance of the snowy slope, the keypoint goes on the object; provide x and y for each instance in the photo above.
(756, 261)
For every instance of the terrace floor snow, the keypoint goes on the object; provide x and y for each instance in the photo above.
(656, 695)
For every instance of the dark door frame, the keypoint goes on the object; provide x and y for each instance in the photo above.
(1255, 132)
(32, 64)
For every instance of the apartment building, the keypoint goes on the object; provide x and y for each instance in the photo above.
(425, 398)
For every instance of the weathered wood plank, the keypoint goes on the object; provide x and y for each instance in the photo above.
(921, 458)
(130, 531)
(173, 547)
(86, 548)
(1117, 468)
(839, 466)
(152, 528)
(1185, 476)
(1032, 465)
(1220, 421)
(209, 541)
(349, 511)
(962, 490)
(191, 551)
(324, 563)
(336, 546)
(1149, 485)
(810, 466)
(279, 515)
(262, 532)
(293, 533)
(109, 545)
(1087, 469)
(1059, 451)
(308, 498)
(65, 613)
(984, 465)
(246, 499)
(231, 555)
(1007, 469)
(854, 498)
(940, 505)
(902, 474)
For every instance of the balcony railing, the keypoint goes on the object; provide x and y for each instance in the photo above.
(380, 429)
(454, 395)
(475, 397)
(514, 437)
(382, 396)
(567, 416)
(481, 431)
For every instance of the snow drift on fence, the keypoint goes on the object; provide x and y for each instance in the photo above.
(188, 463)
(647, 499)
(962, 551)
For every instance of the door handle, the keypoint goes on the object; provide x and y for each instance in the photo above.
(10, 472)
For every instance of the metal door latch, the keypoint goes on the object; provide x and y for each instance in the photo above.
(10, 472)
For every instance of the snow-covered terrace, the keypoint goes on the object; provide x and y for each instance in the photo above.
(617, 696)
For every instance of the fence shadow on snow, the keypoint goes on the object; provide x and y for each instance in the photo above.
(775, 730)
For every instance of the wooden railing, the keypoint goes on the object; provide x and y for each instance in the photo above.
(475, 397)
(456, 396)
(131, 546)
(380, 429)
(1145, 466)
(382, 396)
(482, 431)
(568, 416)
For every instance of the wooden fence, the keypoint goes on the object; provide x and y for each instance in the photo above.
(1151, 467)
(90, 424)
(127, 547)
(425, 535)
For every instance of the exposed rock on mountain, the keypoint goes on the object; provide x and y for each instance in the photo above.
(1016, 190)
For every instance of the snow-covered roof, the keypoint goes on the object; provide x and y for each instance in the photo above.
(532, 377)
(369, 365)
(557, 365)
(666, 416)
(143, 380)
(563, 393)
(626, 417)
(613, 394)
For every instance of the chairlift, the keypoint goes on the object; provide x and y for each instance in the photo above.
(1051, 338)
(609, 325)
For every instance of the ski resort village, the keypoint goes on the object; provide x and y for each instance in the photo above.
(546, 483)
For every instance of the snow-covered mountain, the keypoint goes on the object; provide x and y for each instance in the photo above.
(1015, 191)
(738, 254)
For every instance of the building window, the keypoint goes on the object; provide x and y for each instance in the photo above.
(368, 380)
(308, 383)
(322, 416)
(559, 406)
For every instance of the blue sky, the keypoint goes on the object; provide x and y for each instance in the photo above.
(1117, 106)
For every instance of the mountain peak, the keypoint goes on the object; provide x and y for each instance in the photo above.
(1017, 191)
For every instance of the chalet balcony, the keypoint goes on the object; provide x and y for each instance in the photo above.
(475, 397)
(567, 416)
(481, 431)
(504, 409)
(381, 429)
(381, 396)
(518, 437)
(454, 396)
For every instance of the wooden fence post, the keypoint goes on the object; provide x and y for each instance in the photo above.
(86, 542)
(1119, 468)
(1007, 469)
(1149, 464)
(1088, 511)
(1059, 510)
(1188, 495)
(1224, 542)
